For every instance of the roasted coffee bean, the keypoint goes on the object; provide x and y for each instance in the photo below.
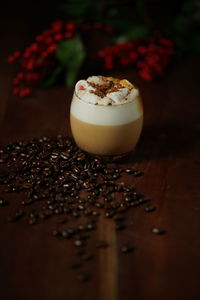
(56, 233)
(157, 230)
(32, 221)
(110, 214)
(150, 208)
(129, 171)
(78, 243)
(58, 178)
(138, 173)
(84, 277)
(88, 257)
(27, 202)
(3, 202)
(120, 226)
(18, 215)
(126, 249)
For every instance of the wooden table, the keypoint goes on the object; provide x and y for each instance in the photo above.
(34, 266)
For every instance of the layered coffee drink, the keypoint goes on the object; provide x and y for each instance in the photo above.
(106, 115)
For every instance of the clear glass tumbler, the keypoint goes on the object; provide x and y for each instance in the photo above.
(106, 130)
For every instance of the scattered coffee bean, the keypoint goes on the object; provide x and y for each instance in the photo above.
(53, 175)
(120, 226)
(84, 277)
(157, 230)
(88, 257)
(78, 243)
(3, 202)
(150, 208)
(126, 249)
(56, 233)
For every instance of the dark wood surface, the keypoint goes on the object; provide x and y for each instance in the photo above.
(34, 266)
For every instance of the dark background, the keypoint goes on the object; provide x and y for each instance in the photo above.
(32, 265)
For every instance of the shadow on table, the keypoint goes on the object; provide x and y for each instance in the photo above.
(165, 140)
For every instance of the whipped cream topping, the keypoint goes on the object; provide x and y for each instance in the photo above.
(100, 90)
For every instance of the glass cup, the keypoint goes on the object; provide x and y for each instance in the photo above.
(106, 130)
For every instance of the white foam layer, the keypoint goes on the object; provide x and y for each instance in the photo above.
(125, 94)
(106, 114)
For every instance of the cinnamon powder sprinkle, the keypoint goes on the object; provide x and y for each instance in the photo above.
(108, 86)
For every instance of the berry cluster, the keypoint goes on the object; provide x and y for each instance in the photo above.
(149, 55)
(38, 58)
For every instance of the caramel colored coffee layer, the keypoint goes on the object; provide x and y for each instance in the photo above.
(106, 140)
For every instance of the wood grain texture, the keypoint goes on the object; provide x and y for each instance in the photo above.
(34, 266)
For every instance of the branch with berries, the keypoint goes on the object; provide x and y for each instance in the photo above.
(130, 38)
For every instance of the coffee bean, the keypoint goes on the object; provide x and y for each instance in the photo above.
(84, 277)
(33, 221)
(157, 230)
(58, 178)
(56, 233)
(88, 257)
(126, 249)
(3, 202)
(129, 171)
(150, 208)
(78, 243)
(120, 226)
(18, 215)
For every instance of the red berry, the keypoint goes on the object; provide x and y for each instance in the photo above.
(68, 35)
(20, 75)
(58, 37)
(108, 29)
(133, 56)
(52, 48)
(108, 62)
(15, 91)
(25, 92)
(15, 81)
(39, 38)
(145, 74)
(101, 53)
(97, 26)
(27, 53)
(11, 59)
(47, 32)
(29, 65)
(70, 26)
(17, 54)
(166, 42)
(48, 40)
(124, 60)
(44, 54)
(57, 26)
(34, 47)
(141, 49)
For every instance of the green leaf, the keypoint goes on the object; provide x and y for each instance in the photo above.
(137, 31)
(71, 55)
(51, 79)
